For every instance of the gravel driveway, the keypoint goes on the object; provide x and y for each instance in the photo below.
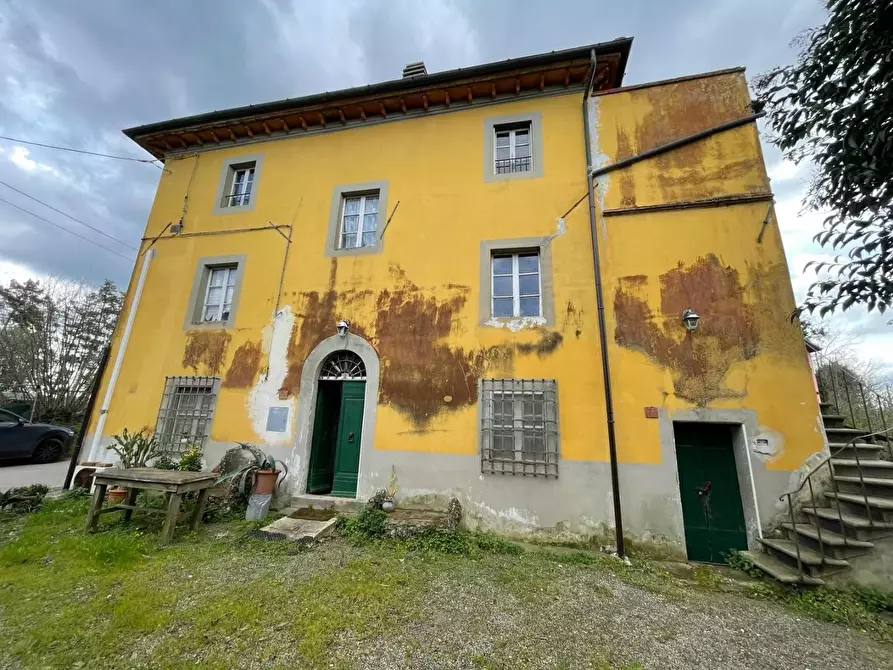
(496, 614)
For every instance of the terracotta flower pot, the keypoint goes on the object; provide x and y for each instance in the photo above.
(116, 495)
(265, 481)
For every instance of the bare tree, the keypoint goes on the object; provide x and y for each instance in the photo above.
(52, 336)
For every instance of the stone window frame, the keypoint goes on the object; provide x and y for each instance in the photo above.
(225, 182)
(542, 245)
(333, 234)
(199, 288)
(491, 124)
(524, 424)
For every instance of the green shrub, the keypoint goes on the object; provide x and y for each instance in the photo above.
(23, 499)
(191, 461)
(368, 526)
(165, 462)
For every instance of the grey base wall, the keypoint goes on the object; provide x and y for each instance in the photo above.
(874, 569)
(575, 506)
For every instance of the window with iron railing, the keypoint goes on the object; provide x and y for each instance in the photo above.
(519, 427)
(240, 186)
(512, 148)
(184, 417)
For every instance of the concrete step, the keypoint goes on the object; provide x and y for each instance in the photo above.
(871, 467)
(881, 487)
(834, 421)
(852, 525)
(814, 561)
(832, 544)
(848, 451)
(780, 571)
(875, 502)
(843, 434)
(347, 505)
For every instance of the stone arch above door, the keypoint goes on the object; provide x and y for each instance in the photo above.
(307, 402)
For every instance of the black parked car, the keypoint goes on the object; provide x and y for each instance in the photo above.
(41, 442)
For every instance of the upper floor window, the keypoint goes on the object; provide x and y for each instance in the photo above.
(512, 148)
(237, 188)
(214, 297)
(219, 295)
(516, 289)
(359, 221)
(240, 191)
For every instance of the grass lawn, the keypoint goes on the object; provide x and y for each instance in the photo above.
(221, 599)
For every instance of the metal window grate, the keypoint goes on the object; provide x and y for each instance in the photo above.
(519, 427)
(187, 407)
(509, 165)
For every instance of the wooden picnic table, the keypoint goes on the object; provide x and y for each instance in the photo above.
(172, 482)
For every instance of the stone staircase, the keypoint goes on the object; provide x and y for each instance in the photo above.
(842, 515)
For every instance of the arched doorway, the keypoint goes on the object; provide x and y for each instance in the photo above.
(337, 425)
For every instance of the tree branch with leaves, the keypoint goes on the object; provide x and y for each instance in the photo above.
(834, 107)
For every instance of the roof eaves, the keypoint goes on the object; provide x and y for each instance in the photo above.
(622, 45)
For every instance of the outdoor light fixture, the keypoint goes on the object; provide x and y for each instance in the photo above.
(690, 318)
(342, 327)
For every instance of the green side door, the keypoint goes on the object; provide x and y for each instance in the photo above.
(322, 447)
(350, 432)
(711, 499)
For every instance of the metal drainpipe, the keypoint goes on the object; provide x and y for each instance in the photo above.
(603, 343)
(119, 357)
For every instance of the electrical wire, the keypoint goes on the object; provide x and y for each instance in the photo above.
(80, 151)
(69, 216)
(56, 225)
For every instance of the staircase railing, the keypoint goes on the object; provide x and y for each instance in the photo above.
(885, 434)
(864, 406)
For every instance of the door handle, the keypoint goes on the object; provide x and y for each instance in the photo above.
(350, 437)
(705, 489)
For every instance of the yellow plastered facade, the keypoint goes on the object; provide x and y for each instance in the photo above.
(429, 272)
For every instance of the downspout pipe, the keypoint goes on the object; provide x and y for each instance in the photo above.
(600, 302)
(119, 356)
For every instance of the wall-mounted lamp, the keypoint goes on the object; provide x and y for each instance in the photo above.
(342, 327)
(690, 318)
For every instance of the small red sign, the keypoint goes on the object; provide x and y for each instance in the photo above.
(651, 413)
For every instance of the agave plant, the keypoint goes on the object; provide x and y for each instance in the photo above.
(261, 461)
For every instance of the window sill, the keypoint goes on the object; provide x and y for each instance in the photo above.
(211, 325)
(358, 251)
(516, 323)
(237, 209)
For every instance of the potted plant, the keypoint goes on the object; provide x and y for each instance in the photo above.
(261, 469)
(388, 504)
(134, 451)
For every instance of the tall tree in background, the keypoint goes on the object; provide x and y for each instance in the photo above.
(52, 337)
(834, 106)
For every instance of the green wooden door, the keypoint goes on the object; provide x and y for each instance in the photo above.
(322, 446)
(711, 500)
(350, 432)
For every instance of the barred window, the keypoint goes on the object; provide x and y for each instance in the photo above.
(187, 407)
(519, 427)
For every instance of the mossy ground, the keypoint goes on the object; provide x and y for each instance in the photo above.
(220, 599)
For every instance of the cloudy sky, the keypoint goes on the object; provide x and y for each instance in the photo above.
(76, 73)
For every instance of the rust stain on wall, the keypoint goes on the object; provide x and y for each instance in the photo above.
(729, 331)
(411, 330)
(317, 315)
(205, 348)
(625, 176)
(244, 366)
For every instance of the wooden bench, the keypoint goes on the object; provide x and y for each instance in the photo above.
(172, 482)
